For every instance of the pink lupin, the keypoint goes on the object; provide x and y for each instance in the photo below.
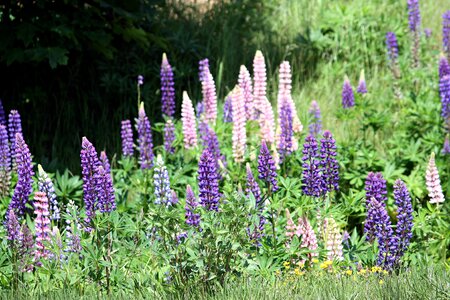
(239, 138)
(259, 84)
(189, 125)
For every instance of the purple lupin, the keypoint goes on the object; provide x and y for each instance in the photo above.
(348, 98)
(312, 181)
(328, 164)
(208, 181)
(14, 127)
(167, 88)
(2, 114)
(192, 218)
(169, 137)
(266, 168)
(403, 231)
(375, 187)
(89, 166)
(145, 140)
(5, 162)
(127, 138)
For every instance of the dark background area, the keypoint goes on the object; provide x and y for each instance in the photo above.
(70, 67)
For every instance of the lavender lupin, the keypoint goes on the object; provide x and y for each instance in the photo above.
(208, 181)
(228, 110)
(446, 33)
(362, 87)
(163, 193)
(414, 27)
(375, 189)
(315, 125)
(5, 162)
(444, 87)
(286, 134)
(266, 168)
(127, 138)
(145, 140)
(12, 228)
(403, 230)
(25, 173)
(446, 147)
(169, 137)
(348, 98)
(105, 162)
(167, 88)
(14, 127)
(192, 218)
(2, 114)
(104, 190)
(89, 166)
(444, 67)
(45, 185)
(312, 181)
(199, 109)
(328, 164)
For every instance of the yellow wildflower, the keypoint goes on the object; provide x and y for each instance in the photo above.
(349, 272)
(381, 281)
(315, 260)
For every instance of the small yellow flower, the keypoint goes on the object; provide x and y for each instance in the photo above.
(298, 272)
(362, 272)
(381, 281)
(323, 266)
(301, 264)
(328, 262)
(385, 272)
(278, 272)
(315, 260)
(349, 272)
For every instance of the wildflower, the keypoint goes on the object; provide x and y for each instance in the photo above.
(252, 187)
(444, 87)
(14, 127)
(381, 281)
(200, 109)
(203, 69)
(25, 173)
(375, 189)
(26, 247)
(312, 181)
(414, 27)
(189, 126)
(73, 229)
(259, 81)
(104, 190)
(362, 88)
(446, 148)
(266, 168)
(392, 51)
(105, 162)
(127, 138)
(315, 127)
(349, 272)
(239, 137)
(309, 239)
(444, 67)
(145, 140)
(169, 136)
(42, 223)
(210, 140)
(290, 225)
(163, 193)
(245, 84)
(45, 185)
(333, 239)
(446, 33)
(174, 197)
(403, 231)
(228, 109)
(286, 134)
(284, 94)
(287, 265)
(89, 165)
(329, 166)
(12, 228)
(192, 218)
(267, 122)
(433, 182)
(427, 32)
(5, 162)
(348, 99)
(140, 80)
(209, 95)
(208, 181)
(167, 88)
(2, 114)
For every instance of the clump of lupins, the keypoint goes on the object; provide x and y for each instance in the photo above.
(228, 109)
(2, 114)
(25, 173)
(312, 181)
(348, 98)
(5, 162)
(239, 137)
(267, 169)
(192, 218)
(73, 229)
(127, 138)
(45, 185)
(208, 181)
(433, 182)
(446, 33)
(286, 131)
(169, 136)
(403, 230)
(245, 84)
(362, 87)
(167, 88)
(376, 190)
(315, 125)
(145, 140)
(444, 87)
(209, 94)
(42, 226)
(189, 125)
(259, 83)
(446, 147)
(14, 127)
(414, 27)
(333, 239)
(163, 193)
(89, 165)
(329, 166)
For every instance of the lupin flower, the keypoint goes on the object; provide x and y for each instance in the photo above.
(315, 127)
(105, 191)
(267, 122)
(446, 148)
(2, 114)
(328, 164)
(392, 52)
(446, 33)
(284, 93)
(167, 88)
(5, 162)
(45, 185)
(444, 87)
(252, 187)
(259, 82)
(192, 218)
(403, 231)
(333, 239)
(414, 27)
(245, 84)
(290, 227)
(169, 136)
(174, 197)
(309, 239)
(444, 67)
(312, 181)
(127, 138)
(348, 98)
(105, 162)
(209, 94)
(203, 69)
(266, 168)
(427, 32)
(228, 109)
(163, 193)
(189, 126)
(239, 137)
(145, 140)
(376, 189)
(210, 141)
(25, 173)
(362, 88)
(12, 228)
(26, 247)
(73, 229)
(42, 226)
(433, 182)
(140, 80)
(89, 166)
(287, 133)
(14, 127)
(208, 181)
